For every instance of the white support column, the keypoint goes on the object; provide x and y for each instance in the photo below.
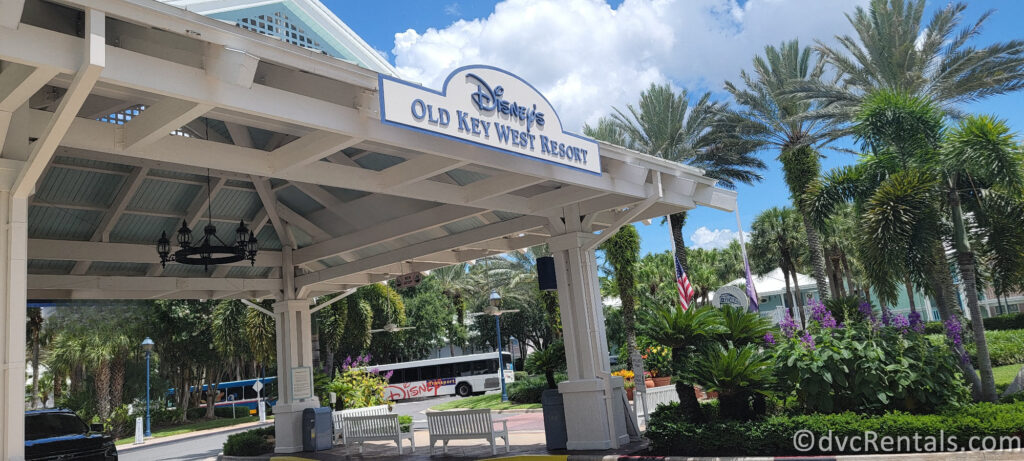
(13, 282)
(294, 355)
(594, 417)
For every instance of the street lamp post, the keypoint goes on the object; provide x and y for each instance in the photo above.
(147, 345)
(495, 302)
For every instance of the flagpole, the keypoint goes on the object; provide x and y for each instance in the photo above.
(751, 290)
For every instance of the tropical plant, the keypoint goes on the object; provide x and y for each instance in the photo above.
(622, 251)
(359, 385)
(743, 326)
(893, 49)
(774, 120)
(736, 374)
(548, 362)
(671, 126)
(684, 331)
(34, 335)
(777, 243)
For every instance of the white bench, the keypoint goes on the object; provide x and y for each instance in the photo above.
(339, 418)
(464, 424)
(359, 429)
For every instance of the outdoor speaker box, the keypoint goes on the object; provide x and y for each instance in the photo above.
(546, 273)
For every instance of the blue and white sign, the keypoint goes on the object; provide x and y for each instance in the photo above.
(488, 106)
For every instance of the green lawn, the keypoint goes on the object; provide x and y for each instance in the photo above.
(196, 426)
(490, 401)
(1004, 375)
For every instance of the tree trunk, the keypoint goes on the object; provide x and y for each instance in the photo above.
(910, 293)
(966, 261)
(988, 383)
(102, 385)
(817, 258)
(676, 222)
(58, 385)
(831, 273)
(329, 362)
(35, 369)
(941, 282)
(799, 299)
(117, 370)
(847, 273)
(689, 407)
(787, 300)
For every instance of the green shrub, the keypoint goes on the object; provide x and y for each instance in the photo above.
(773, 436)
(122, 423)
(241, 411)
(250, 443)
(999, 322)
(529, 390)
(520, 375)
(1005, 347)
(405, 423)
(193, 414)
(866, 368)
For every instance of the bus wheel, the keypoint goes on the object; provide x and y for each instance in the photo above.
(463, 390)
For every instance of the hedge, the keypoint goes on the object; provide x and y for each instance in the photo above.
(1005, 347)
(250, 443)
(999, 322)
(529, 390)
(670, 435)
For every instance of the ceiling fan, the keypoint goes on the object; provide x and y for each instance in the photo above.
(391, 328)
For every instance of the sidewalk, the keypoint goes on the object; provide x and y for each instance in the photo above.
(171, 438)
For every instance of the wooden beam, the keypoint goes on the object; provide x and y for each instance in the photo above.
(119, 252)
(201, 203)
(389, 230)
(431, 246)
(86, 77)
(258, 308)
(10, 13)
(121, 283)
(297, 220)
(332, 300)
(417, 169)
(129, 187)
(19, 82)
(308, 149)
(158, 120)
(270, 206)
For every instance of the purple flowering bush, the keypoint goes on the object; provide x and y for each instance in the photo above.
(359, 386)
(863, 364)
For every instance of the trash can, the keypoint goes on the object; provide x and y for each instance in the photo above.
(555, 434)
(317, 429)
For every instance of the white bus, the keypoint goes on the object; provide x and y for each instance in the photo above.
(462, 376)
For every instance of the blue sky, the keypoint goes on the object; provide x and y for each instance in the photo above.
(588, 56)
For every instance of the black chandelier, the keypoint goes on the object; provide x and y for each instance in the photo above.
(209, 250)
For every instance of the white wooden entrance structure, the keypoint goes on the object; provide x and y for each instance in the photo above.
(90, 173)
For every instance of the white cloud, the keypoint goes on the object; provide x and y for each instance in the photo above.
(587, 57)
(718, 238)
(452, 9)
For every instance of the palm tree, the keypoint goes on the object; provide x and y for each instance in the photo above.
(776, 243)
(455, 284)
(774, 120)
(980, 163)
(622, 251)
(35, 337)
(262, 335)
(685, 332)
(667, 125)
(893, 49)
(915, 192)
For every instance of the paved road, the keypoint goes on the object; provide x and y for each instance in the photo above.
(209, 446)
(205, 447)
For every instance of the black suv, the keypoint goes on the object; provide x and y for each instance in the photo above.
(61, 435)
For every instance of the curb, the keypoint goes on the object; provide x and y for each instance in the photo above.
(174, 438)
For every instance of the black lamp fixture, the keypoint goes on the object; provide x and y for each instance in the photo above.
(210, 250)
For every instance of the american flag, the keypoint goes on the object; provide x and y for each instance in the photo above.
(683, 286)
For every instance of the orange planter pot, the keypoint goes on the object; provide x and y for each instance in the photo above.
(629, 393)
(648, 383)
(662, 381)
